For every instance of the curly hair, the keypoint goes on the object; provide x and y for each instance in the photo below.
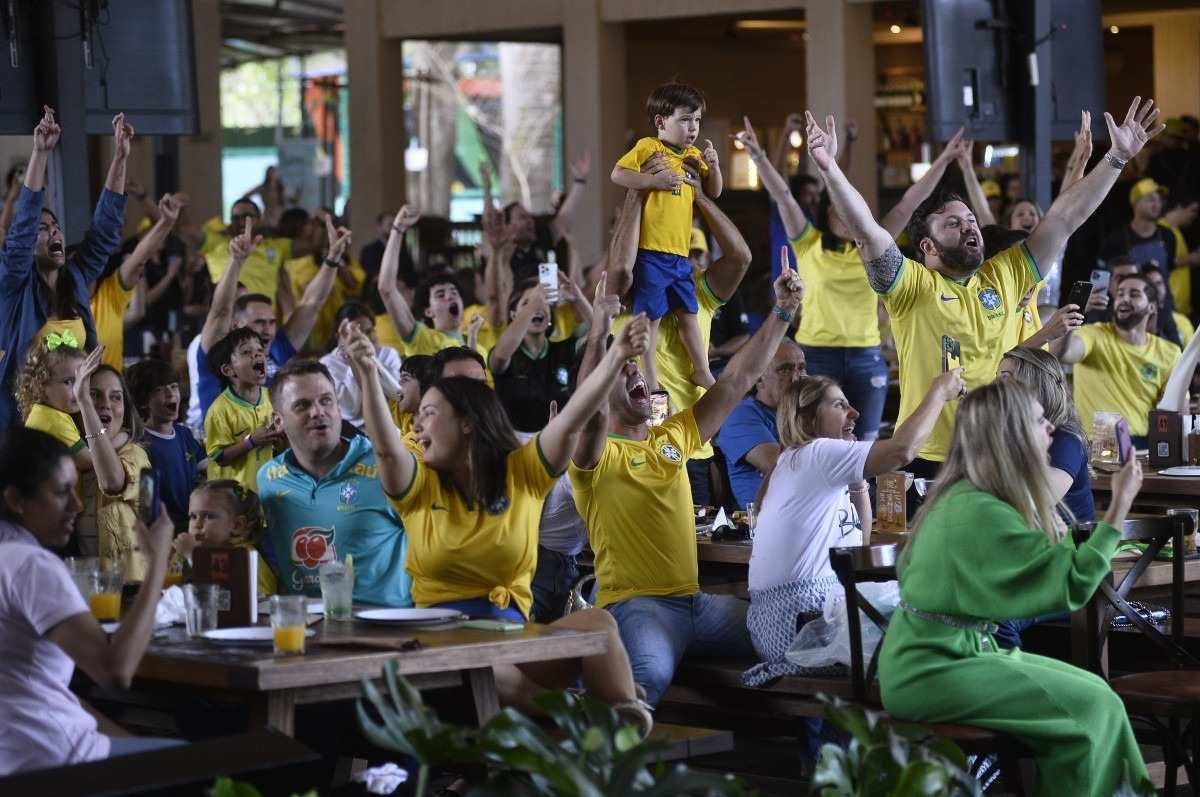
(241, 503)
(35, 374)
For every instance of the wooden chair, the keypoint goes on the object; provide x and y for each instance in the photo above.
(877, 563)
(1166, 700)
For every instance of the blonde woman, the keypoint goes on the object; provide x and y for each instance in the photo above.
(816, 498)
(990, 543)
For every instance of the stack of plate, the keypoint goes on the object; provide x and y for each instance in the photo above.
(409, 618)
(246, 635)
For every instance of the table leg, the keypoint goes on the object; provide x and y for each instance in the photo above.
(483, 690)
(275, 710)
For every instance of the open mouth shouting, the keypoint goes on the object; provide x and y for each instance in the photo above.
(639, 396)
(105, 420)
(171, 408)
(56, 250)
(260, 371)
(454, 309)
(971, 242)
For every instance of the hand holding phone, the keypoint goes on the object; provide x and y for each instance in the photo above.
(548, 277)
(149, 506)
(1124, 441)
(1079, 295)
(951, 354)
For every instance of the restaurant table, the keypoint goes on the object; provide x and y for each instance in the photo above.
(1157, 490)
(339, 656)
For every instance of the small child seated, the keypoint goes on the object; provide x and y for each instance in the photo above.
(239, 429)
(223, 513)
(662, 276)
(178, 460)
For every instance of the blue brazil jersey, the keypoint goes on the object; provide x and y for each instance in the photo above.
(310, 522)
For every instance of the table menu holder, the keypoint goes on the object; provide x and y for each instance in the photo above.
(891, 512)
(235, 571)
(1168, 438)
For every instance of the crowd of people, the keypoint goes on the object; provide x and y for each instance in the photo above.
(465, 436)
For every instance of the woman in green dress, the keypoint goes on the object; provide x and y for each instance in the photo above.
(989, 544)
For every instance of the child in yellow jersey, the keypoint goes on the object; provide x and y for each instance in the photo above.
(45, 391)
(662, 274)
(238, 429)
(223, 513)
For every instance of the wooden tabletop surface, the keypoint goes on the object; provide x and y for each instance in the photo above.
(1154, 484)
(337, 654)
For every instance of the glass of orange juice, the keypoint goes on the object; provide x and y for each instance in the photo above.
(288, 620)
(105, 599)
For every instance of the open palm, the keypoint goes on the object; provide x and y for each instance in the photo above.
(822, 144)
(1138, 127)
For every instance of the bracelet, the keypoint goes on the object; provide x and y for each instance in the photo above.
(249, 440)
(399, 229)
(331, 263)
(860, 492)
(1114, 161)
(100, 433)
(757, 156)
(783, 314)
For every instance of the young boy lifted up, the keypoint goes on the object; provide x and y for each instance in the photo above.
(662, 274)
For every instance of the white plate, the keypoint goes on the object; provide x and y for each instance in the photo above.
(251, 634)
(110, 628)
(1181, 470)
(403, 616)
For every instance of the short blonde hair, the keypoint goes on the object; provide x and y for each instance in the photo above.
(796, 417)
(35, 374)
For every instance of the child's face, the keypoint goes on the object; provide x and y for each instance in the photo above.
(60, 390)
(210, 521)
(248, 365)
(109, 399)
(680, 128)
(163, 404)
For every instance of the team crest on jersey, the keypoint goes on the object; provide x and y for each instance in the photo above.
(671, 452)
(562, 376)
(498, 506)
(349, 493)
(989, 298)
(1149, 371)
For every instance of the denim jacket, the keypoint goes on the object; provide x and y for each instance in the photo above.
(23, 310)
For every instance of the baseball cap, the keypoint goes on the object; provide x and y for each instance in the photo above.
(1145, 187)
(991, 188)
(698, 241)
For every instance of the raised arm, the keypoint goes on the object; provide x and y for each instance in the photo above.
(906, 442)
(110, 474)
(581, 167)
(397, 465)
(510, 339)
(220, 311)
(726, 274)
(793, 123)
(660, 180)
(45, 139)
(299, 325)
(748, 364)
(1073, 207)
(389, 273)
(605, 307)
(122, 138)
(896, 218)
(137, 192)
(1080, 154)
(794, 220)
(133, 266)
(558, 439)
(877, 248)
(581, 308)
(975, 196)
(20, 238)
(1069, 349)
(714, 184)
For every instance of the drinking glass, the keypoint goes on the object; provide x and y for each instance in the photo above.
(200, 603)
(288, 620)
(337, 590)
(105, 599)
(751, 517)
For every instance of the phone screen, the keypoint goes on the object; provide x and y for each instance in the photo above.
(548, 276)
(1101, 277)
(951, 354)
(1124, 441)
(1079, 295)
(148, 496)
(660, 407)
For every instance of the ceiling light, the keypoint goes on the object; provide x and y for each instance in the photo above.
(1113, 29)
(895, 28)
(770, 24)
(795, 139)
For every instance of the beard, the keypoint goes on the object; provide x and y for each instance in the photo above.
(1131, 320)
(958, 258)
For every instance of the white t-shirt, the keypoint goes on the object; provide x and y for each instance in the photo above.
(349, 394)
(41, 721)
(195, 416)
(807, 511)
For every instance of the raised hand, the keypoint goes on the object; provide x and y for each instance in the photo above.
(45, 135)
(789, 288)
(241, 246)
(168, 209)
(1098, 300)
(567, 287)
(957, 147)
(665, 178)
(605, 306)
(339, 240)
(581, 167)
(709, 153)
(852, 130)
(405, 217)
(1065, 320)
(1138, 127)
(949, 386)
(83, 375)
(633, 339)
(358, 347)
(122, 136)
(822, 143)
(749, 139)
(1083, 138)
(794, 121)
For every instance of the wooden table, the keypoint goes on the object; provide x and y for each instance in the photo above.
(1157, 491)
(273, 686)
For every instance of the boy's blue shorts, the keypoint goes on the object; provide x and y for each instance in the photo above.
(662, 282)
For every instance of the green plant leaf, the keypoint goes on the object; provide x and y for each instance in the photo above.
(627, 738)
(922, 778)
(228, 787)
(592, 741)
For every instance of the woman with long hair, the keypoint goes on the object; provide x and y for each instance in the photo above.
(990, 543)
(471, 495)
(46, 628)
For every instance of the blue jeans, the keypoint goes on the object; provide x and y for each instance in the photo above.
(1008, 632)
(658, 631)
(862, 372)
(483, 609)
(553, 579)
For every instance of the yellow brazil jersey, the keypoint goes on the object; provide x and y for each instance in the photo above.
(386, 334)
(1115, 376)
(303, 270)
(57, 424)
(672, 360)
(260, 273)
(458, 550)
(667, 215)
(424, 339)
(1029, 318)
(840, 309)
(116, 516)
(978, 313)
(1184, 325)
(565, 322)
(74, 326)
(1180, 279)
(637, 503)
(229, 420)
(108, 308)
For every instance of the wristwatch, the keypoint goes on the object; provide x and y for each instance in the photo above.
(1114, 161)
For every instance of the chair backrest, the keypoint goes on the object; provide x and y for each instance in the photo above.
(854, 566)
(1090, 626)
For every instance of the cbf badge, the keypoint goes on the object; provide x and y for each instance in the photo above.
(1149, 372)
(562, 376)
(989, 298)
(671, 452)
(349, 493)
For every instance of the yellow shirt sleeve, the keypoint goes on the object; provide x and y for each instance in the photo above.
(911, 282)
(108, 309)
(218, 429)
(57, 424)
(641, 152)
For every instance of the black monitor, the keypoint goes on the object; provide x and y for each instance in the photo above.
(1076, 66)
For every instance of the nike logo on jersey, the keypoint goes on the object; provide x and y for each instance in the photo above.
(439, 507)
(946, 298)
(636, 463)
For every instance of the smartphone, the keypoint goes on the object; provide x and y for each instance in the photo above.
(1124, 441)
(1101, 277)
(951, 354)
(1080, 293)
(494, 625)
(148, 502)
(548, 276)
(660, 407)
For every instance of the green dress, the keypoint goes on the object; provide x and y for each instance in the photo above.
(976, 559)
